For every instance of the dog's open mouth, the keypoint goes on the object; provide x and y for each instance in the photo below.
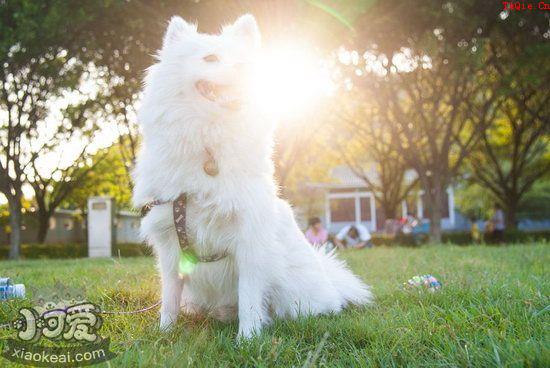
(218, 93)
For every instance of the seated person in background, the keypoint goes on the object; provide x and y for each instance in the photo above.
(315, 233)
(475, 232)
(499, 224)
(408, 223)
(353, 236)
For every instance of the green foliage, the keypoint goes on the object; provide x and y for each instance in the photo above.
(27, 215)
(108, 178)
(474, 201)
(536, 203)
(491, 312)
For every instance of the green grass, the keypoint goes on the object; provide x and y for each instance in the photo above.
(493, 310)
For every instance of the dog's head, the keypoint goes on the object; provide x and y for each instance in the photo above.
(208, 71)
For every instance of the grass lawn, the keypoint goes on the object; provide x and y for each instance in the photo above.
(493, 310)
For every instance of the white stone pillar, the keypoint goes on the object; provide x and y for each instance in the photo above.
(100, 226)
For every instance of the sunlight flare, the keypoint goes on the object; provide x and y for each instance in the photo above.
(290, 80)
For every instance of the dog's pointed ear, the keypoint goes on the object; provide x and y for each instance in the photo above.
(246, 28)
(177, 30)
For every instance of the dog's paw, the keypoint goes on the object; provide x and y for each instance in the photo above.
(246, 336)
(248, 332)
(167, 321)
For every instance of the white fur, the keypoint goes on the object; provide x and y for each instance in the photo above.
(271, 270)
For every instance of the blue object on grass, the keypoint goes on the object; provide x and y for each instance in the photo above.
(9, 290)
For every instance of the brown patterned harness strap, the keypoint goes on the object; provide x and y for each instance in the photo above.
(179, 212)
(148, 206)
(180, 220)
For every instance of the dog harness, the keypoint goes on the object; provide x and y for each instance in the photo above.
(179, 212)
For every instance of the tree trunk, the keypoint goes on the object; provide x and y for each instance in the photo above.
(510, 212)
(435, 216)
(15, 225)
(43, 225)
(434, 188)
(389, 210)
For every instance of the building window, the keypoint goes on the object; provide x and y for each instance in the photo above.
(365, 209)
(342, 209)
(412, 207)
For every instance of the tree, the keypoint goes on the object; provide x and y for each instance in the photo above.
(44, 49)
(295, 148)
(515, 151)
(510, 177)
(105, 176)
(535, 205)
(474, 201)
(38, 60)
(369, 150)
(51, 189)
(433, 82)
(435, 107)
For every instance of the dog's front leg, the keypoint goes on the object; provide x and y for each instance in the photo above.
(252, 290)
(255, 264)
(172, 284)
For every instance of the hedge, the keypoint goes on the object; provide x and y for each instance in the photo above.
(73, 250)
(80, 250)
(461, 238)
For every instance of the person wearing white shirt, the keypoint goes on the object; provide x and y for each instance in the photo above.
(499, 224)
(353, 236)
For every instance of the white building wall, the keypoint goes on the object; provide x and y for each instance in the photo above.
(447, 223)
(334, 226)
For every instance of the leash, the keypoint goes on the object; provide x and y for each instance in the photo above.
(142, 310)
(8, 325)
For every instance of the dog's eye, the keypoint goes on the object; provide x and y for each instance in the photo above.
(211, 58)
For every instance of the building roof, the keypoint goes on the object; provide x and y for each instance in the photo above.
(343, 177)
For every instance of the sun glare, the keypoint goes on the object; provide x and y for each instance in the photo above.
(290, 80)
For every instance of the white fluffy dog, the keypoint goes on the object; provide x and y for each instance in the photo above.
(194, 114)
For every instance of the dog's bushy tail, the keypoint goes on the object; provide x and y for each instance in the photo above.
(350, 287)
